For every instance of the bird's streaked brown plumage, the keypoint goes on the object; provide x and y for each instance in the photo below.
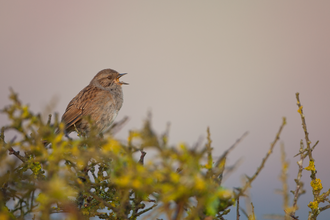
(101, 100)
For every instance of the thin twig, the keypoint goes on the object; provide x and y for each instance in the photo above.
(244, 212)
(209, 152)
(250, 179)
(308, 142)
(220, 171)
(96, 197)
(315, 145)
(237, 209)
(284, 179)
(49, 119)
(299, 184)
(231, 169)
(118, 125)
(146, 210)
(247, 198)
(324, 208)
(291, 215)
(231, 148)
(252, 216)
(143, 154)
(2, 134)
(16, 153)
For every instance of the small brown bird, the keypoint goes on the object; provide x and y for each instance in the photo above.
(101, 100)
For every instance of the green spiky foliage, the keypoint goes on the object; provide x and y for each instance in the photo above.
(44, 174)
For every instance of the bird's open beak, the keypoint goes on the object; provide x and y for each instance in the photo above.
(120, 82)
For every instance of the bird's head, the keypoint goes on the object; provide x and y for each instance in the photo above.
(107, 78)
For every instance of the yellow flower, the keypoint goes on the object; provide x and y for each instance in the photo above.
(224, 193)
(112, 145)
(313, 205)
(316, 185)
(175, 177)
(75, 151)
(222, 163)
(158, 176)
(208, 166)
(311, 166)
(79, 181)
(80, 163)
(123, 181)
(291, 209)
(25, 112)
(58, 138)
(4, 216)
(252, 217)
(136, 184)
(132, 135)
(199, 183)
(182, 146)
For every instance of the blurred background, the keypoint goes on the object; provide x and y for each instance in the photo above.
(234, 66)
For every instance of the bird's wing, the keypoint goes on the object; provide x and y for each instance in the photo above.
(83, 104)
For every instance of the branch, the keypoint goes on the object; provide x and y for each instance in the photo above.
(299, 184)
(221, 169)
(250, 179)
(308, 142)
(237, 209)
(10, 149)
(143, 154)
(224, 155)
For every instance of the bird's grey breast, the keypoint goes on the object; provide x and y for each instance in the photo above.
(111, 108)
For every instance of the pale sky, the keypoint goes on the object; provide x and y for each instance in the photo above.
(232, 65)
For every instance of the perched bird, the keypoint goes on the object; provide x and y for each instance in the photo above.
(101, 100)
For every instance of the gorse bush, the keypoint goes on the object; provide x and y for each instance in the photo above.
(44, 174)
